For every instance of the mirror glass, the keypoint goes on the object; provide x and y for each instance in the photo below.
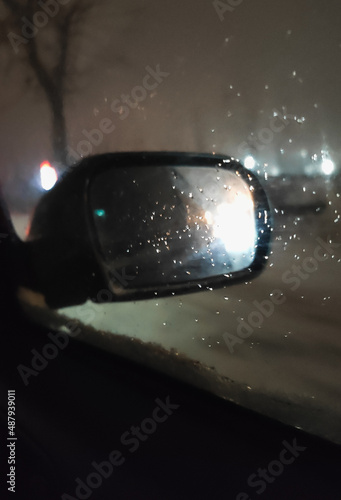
(163, 224)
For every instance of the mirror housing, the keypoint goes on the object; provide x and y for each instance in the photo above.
(146, 224)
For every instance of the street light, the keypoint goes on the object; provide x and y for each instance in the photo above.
(48, 176)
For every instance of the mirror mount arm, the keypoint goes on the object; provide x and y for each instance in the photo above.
(61, 283)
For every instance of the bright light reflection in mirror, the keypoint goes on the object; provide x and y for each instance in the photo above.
(173, 224)
(234, 224)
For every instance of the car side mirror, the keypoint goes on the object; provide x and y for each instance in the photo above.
(141, 224)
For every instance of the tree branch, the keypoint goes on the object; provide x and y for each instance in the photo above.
(32, 50)
(64, 34)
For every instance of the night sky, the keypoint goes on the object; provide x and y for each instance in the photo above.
(226, 80)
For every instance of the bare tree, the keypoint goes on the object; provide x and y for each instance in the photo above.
(39, 34)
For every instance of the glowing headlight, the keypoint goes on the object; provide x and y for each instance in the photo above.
(250, 162)
(327, 166)
(234, 224)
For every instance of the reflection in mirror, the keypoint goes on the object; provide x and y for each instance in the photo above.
(173, 224)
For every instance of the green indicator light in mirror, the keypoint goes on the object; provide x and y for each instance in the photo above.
(100, 212)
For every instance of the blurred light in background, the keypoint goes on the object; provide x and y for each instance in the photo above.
(249, 162)
(327, 166)
(48, 176)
